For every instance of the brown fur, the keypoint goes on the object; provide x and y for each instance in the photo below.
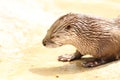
(90, 35)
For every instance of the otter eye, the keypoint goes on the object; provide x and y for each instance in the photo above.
(55, 37)
(68, 27)
(52, 37)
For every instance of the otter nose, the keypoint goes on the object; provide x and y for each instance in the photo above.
(44, 43)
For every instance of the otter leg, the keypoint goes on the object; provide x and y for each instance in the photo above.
(93, 63)
(96, 62)
(70, 57)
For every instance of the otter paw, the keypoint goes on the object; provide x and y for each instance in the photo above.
(93, 63)
(66, 57)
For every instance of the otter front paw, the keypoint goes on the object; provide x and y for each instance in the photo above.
(67, 57)
(70, 57)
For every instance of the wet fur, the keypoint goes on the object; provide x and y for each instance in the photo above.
(90, 35)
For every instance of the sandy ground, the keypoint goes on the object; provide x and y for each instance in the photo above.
(23, 25)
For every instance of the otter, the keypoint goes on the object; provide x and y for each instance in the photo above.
(90, 35)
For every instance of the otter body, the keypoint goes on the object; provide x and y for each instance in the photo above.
(90, 35)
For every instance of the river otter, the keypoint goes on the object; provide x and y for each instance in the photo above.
(98, 37)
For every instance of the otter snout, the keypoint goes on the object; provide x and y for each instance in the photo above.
(44, 43)
(49, 44)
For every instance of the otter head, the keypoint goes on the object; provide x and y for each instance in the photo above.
(61, 32)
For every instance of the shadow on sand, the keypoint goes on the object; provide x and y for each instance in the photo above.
(70, 68)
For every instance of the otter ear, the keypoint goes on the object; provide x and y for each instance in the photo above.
(68, 27)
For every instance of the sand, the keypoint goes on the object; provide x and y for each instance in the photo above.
(23, 25)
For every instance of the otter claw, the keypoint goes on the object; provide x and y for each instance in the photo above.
(66, 58)
(93, 63)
